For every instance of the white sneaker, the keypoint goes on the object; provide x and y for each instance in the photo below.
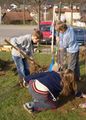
(28, 108)
(25, 84)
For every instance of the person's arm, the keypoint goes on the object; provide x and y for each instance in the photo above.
(13, 41)
(36, 76)
(21, 43)
(66, 41)
(30, 50)
(21, 40)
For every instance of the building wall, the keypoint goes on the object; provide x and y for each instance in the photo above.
(76, 16)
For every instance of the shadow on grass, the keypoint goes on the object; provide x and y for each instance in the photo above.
(82, 84)
(64, 100)
(7, 65)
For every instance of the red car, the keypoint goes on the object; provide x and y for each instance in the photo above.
(45, 29)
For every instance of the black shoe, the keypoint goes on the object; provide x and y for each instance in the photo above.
(78, 94)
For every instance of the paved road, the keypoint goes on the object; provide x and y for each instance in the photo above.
(8, 31)
(14, 30)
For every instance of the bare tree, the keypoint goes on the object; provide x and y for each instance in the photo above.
(83, 10)
(36, 7)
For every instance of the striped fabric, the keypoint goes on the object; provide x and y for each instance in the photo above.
(37, 90)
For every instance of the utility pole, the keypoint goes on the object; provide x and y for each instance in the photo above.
(53, 25)
(59, 15)
(71, 6)
(24, 12)
(45, 13)
(0, 14)
(39, 5)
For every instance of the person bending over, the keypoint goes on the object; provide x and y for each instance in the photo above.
(70, 45)
(24, 43)
(46, 87)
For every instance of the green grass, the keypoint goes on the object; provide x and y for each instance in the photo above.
(12, 97)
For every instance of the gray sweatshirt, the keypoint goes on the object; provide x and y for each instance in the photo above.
(24, 43)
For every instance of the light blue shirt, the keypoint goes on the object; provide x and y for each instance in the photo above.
(69, 41)
(61, 40)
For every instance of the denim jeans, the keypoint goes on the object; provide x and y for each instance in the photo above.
(22, 66)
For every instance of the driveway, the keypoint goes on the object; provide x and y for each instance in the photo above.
(8, 31)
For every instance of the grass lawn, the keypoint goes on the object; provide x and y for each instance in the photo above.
(12, 97)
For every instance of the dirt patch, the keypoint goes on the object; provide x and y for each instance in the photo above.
(2, 73)
(36, 69)
(9, 65)
(83, 52)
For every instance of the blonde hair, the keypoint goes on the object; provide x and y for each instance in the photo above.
(68, 82)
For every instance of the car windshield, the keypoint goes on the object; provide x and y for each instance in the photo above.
(45, 28)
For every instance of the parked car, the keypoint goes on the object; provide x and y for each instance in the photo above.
(80, 35)
(45, 27)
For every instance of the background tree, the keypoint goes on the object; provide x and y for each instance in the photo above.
(83, 10)
(36, 6)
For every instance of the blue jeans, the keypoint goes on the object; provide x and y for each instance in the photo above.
(22, 66)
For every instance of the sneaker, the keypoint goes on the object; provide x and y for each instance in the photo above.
(78, 94)
(28, 108)
(25, 84)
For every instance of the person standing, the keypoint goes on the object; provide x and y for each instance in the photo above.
(70, 44)
(59, 46)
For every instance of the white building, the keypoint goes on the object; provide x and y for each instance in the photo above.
(72, 15)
